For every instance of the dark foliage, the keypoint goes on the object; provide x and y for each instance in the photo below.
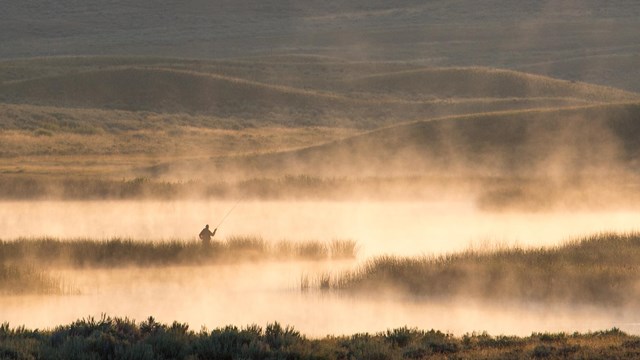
(118, 338)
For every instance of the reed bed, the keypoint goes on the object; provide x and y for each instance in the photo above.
(79, 253)
(21, 280)
(602, 268)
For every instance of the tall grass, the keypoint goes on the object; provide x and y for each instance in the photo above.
(602, 268)
(122, 338)
(343, 249)
(78, 253)
(19, 280)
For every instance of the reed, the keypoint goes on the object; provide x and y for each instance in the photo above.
(123, 252)
(602, 268)
(21, 280)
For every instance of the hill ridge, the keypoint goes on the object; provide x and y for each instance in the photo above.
(406, 78)
(516, 142)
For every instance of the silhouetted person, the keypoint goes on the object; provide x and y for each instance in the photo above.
(206, 235)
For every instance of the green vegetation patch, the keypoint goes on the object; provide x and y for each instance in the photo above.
(118, 338)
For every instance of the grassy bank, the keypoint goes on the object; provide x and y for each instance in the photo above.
(109, 338)
(600, 269)
(79, 253)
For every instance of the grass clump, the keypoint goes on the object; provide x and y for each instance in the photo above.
(343, 249)
(20, 280)
(601, 269)
(117, 338)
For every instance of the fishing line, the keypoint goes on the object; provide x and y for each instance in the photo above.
(228, 212)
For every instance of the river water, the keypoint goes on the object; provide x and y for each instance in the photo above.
(402, 228)
(258, 293)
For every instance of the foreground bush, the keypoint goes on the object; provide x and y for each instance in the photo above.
(117, 338)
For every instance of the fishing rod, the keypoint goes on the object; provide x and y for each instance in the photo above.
(227, 214)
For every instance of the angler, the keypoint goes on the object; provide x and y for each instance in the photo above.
(206, 234)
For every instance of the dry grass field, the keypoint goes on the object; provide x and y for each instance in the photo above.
(116, 119)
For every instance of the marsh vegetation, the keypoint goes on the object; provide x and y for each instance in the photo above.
(27, 279)
(600, 269)
(32, 266)
(595, 274)
(81, 253)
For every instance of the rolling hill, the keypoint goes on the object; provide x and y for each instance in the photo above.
(290, 91)
(439, 33)
(568, 143)
(158, 117)
(482, 82)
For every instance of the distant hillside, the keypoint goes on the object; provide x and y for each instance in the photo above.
(441, 33)
(284, 91)
(173, 91)
(546, 143)
(481, 82)
(598, 68)
(157, 90)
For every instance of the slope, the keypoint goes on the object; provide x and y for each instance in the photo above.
(494, 33)
(482, 82)
(294, 91)
(575, 142)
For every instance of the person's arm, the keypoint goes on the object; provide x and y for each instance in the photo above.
(214, 232)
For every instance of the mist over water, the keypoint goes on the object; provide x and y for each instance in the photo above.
(248, 293)
(385, 227)
(258, 294)
(242, 295)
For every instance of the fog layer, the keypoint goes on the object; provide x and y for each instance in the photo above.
(248, 293)
(257, 294)
(402, 228)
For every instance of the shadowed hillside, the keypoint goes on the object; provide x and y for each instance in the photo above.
(172, 91)
(554, 143)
